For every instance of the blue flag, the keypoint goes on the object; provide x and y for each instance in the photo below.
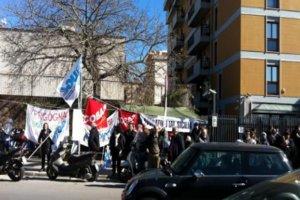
(69, 88)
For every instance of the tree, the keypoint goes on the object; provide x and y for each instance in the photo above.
(113, 37)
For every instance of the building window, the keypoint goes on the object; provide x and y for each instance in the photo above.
(216, 18)
(272, 77)
(220, 86)
(273, 4)
(216, 53)
(272, 35)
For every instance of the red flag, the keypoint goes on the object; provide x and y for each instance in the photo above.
(126, 118)
(96, 114)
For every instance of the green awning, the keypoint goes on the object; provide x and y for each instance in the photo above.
(180, 112)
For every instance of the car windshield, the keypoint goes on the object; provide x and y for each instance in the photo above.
(183, 160)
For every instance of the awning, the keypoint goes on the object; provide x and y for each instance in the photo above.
(276, 108)
(180, 112)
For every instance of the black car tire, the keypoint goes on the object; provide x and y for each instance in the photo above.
(16, 173)
(52, 173)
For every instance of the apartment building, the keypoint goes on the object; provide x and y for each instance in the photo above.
(152, 90)
(246, 50)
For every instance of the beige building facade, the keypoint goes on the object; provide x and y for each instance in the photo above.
(37, 80)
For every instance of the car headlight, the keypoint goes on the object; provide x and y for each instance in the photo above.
(131, 187)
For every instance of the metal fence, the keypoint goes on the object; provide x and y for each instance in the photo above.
(230, 128)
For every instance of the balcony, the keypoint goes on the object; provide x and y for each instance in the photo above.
(177, 43)
(199, 9)
(175, 7)
(198, 39)
(197, 68)
(167, 5)
(176, 64)
(178, 19)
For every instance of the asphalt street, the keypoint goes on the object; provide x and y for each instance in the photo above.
(32, 188)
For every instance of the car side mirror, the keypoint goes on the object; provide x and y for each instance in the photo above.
(198, 174)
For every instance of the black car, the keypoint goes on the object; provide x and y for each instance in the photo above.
(286, 187)
(209, 171)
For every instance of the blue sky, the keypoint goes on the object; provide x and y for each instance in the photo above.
(155, 7)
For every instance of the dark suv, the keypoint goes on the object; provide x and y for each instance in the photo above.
(209, 171)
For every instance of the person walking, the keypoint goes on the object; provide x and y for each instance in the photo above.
(93, 140)
(153, 149)
(176, 146)
(116, 145)
(46, 146)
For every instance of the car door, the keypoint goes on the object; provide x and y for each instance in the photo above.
(212, 175)
(261, 166)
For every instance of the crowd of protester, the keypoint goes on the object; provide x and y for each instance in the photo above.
(288, 141)
(150, 145)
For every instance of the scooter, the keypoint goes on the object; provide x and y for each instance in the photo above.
(11, 164)
(82, 166)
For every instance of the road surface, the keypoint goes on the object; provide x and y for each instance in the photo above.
(36, 188)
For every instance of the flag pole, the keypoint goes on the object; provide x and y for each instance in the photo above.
(166, 100)
(80, 84)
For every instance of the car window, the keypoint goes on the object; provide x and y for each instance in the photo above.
(183, 160)
(217, 163)
(265, 164)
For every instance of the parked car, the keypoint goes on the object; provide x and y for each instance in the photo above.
(209, 171)
(286, 187)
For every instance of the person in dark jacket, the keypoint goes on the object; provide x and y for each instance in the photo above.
(46, 146)
(140, 141)
(117, 145)
(296, 137)
(176, 146)
(2, 139)
(153, 149)
(204, 138)
(93, 141)
(129, 136)
(195, 134)
(288, 145)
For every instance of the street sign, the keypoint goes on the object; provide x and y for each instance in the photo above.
(214, 121)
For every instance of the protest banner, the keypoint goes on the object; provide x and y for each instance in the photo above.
(127, 118)
(182, 124)
(81, 130)
(58, 121)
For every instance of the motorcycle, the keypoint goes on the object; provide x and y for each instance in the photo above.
(78, 166)
(129, 167)
(11, 164)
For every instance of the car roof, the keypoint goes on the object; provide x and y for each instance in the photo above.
(238, 146)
